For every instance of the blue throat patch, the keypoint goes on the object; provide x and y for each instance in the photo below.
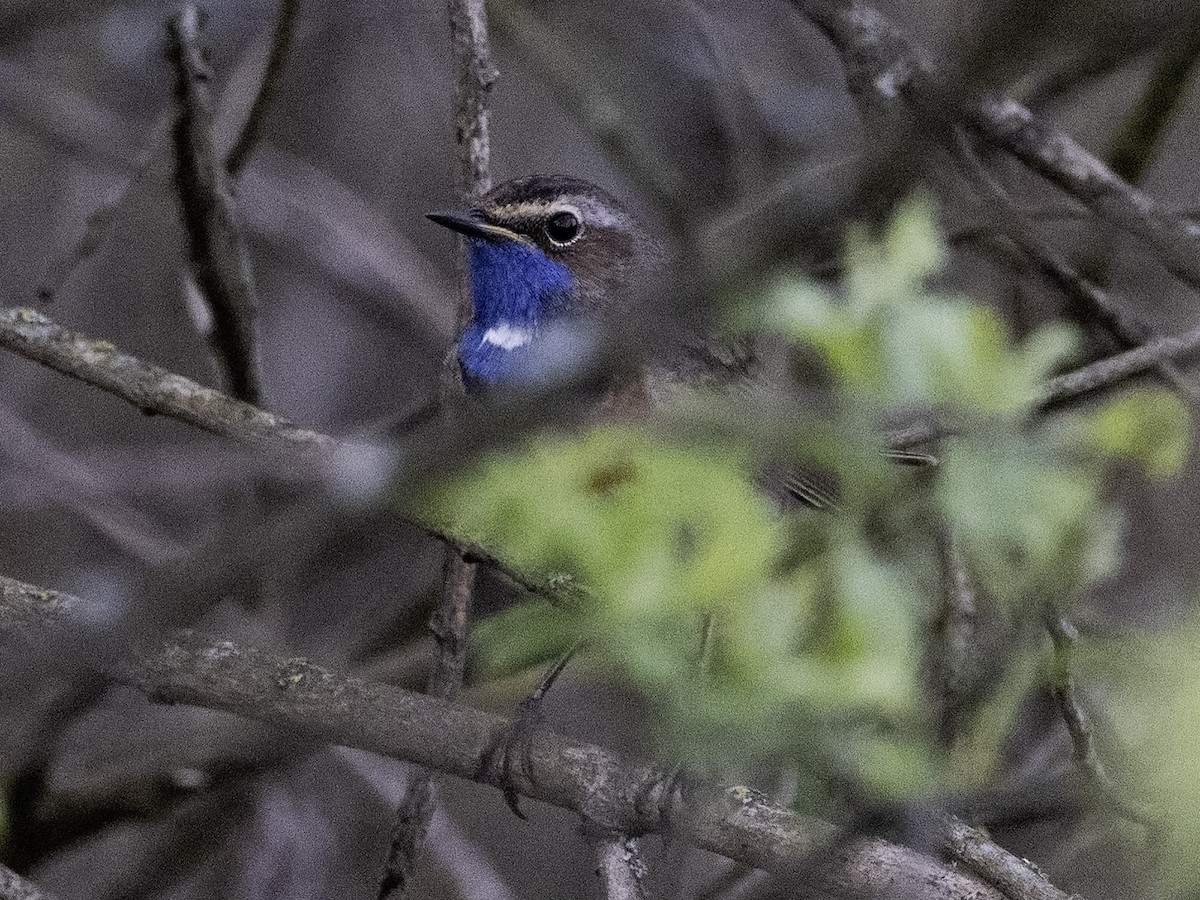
(515, 289)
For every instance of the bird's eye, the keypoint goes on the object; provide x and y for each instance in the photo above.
(563, 228)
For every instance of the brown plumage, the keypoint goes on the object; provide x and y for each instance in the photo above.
(610, 252)
(610, 257)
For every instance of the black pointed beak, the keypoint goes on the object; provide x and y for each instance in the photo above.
(469, 224)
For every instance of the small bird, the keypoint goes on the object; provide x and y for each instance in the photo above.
(547, 249)
(542, 250)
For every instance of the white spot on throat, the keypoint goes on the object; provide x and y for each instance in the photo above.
(507, 336)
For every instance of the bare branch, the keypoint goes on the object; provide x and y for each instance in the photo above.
(612, 791)
(881, 59)
(1014, 876)
(14, 887)
(620, 867)
(281, 46)
(1128, 328)
(1111, 371)
(95, 229)
(97, 226)
(216, 245)
(476, 75)
(151, 388)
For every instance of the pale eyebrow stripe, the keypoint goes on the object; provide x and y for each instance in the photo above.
(589, 210)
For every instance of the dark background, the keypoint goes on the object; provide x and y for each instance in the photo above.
(158, 525)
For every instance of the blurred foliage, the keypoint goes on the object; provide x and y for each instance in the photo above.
(1149, 681)
(816, 646)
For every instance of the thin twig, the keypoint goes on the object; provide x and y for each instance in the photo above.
(620, 867)
(1086, 755)
(880, 58)
(1108, 372)
(99, 222)
(281, 46)
(220, 262)
(612, 791)
(410, 826)
(97, 226)
(953, 639)
(1099, 305)
(476, 74)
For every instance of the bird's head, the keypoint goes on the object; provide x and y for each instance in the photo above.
(541, 249)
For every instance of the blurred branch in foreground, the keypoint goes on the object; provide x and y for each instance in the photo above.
(281, 45)
(881, 59)
(159, 391)
(451, 619)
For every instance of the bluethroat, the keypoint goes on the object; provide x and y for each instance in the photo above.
(547, 249)
(541, 250)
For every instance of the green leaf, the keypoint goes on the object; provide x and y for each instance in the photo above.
(1150, 682)
(522, 636)
(816, 618)
(1149, 427)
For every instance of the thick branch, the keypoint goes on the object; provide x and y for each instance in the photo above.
(152, 388)
(880, 58)
(215, 243)
(611, 791)
(620, 867)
